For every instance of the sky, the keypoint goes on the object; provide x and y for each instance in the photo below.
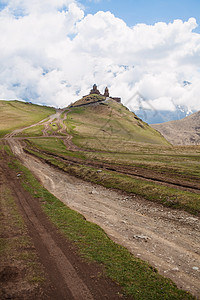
(146, 52)
(146, 11)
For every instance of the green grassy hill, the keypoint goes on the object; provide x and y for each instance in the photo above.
(109, 124)
(92, 98)
(16, 114)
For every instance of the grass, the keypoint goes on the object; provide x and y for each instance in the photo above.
(53, 145)
(33, 131)
(101, 127)
(88, 99)
(170, 160)
(64, 113)
(169, 197)
(6, 149)
(137, 277)
(54, 126)
(16, 114)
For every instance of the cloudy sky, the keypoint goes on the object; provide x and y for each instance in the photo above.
(53, 51)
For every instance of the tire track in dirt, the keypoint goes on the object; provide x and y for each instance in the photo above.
(70, 277)
(61, 126)
(135, 172)
(49, 121)
(63, 265)
(57, 257)
(168, 239)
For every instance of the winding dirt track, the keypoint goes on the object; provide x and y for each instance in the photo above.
(180, 182)
(168, 239)
(68, 277)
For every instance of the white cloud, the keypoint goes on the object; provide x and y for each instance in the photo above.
(17, 7)
(162, 103)
(51, 53)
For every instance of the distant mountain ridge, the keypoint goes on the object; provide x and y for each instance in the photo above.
(181, 132)
(161, 116)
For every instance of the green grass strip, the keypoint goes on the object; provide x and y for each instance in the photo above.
(167, 196)
(33, 131)
(137, 277)
(49, 146)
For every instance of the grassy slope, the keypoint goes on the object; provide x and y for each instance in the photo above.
(16, 114)
(106, 126)
(33, 131)
(89, 99)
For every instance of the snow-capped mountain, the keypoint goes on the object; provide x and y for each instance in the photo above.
(160, 116)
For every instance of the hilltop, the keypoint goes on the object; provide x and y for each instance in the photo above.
(109, 123)
(89, 99)
(95, 97)
(181, 132)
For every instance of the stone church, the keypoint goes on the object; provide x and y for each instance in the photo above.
(106, 93)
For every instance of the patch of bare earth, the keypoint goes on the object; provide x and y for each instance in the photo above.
(168, 239)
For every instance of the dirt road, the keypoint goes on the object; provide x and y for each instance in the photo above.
(168, 239)
(67, 276)
(181, 182)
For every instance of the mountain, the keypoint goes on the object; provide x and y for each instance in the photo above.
(108, 124)
(181, 132)
(160, 116)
